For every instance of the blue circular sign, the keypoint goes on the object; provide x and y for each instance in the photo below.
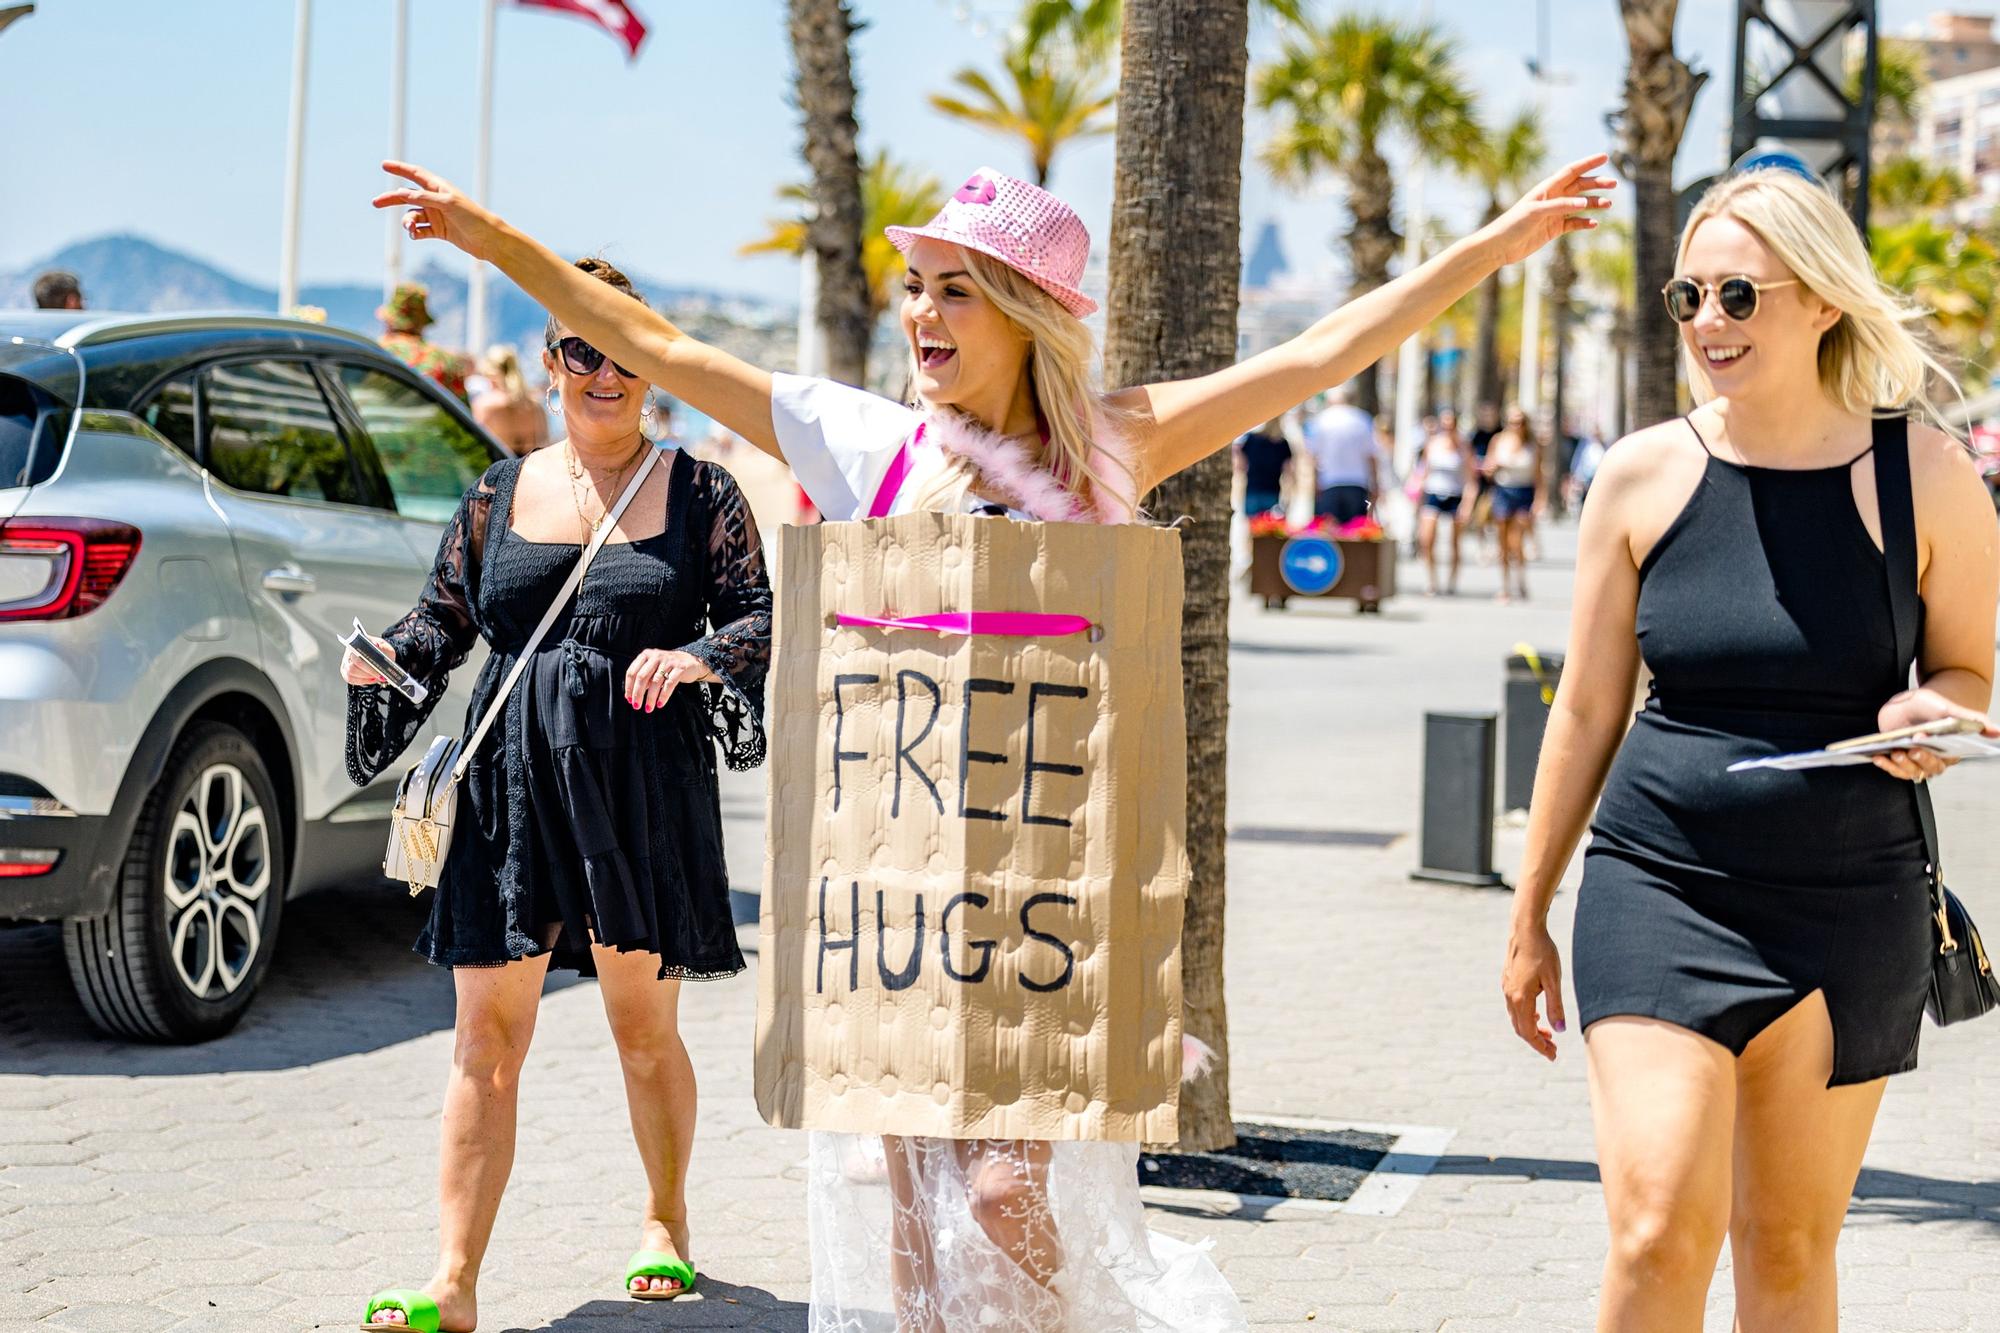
(1310, 565)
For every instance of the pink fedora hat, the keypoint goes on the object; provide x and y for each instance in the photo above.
(1021, 225)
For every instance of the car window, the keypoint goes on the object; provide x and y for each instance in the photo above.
(270, 431)
(39, 387)
(428, 455)
(171, 413)
(31, 432)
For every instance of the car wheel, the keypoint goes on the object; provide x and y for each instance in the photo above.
(188, 937)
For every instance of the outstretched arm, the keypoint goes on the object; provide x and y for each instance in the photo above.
(1184, 421)
(721, 386)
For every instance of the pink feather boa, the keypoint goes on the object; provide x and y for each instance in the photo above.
(1036, 490)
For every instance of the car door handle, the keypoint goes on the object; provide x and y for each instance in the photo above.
(289, 579)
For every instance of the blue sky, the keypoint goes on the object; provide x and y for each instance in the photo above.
(168, 117)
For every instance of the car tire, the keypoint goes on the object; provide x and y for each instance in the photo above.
(180, 954)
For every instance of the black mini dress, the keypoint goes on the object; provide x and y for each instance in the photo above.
(1715, 900)
(581, 818)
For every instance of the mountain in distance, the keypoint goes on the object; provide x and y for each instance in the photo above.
(131, 273)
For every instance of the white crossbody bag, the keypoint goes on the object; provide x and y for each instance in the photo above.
(427, 798)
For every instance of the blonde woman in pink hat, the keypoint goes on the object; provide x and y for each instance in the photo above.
(1007, 419)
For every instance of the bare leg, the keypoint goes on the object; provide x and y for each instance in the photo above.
(1457, 536)
(1799, 1145)
(1427, 531)
(911, 1260)
(495, 1023)
(1663, 1101)
(1524, 535)
(659, 1093)
(1009, 1184)
(1513, 574)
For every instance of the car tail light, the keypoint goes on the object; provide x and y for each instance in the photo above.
(22, 862)
(56, 568)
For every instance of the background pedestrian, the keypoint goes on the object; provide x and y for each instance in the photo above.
(506, 407)
(58, 289)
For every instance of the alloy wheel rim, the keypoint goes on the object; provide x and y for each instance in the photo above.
(218, 873)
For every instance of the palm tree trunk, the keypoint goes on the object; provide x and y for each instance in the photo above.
(1621, 348)
(1174, 272)
(1659, 93)
(1655, 371)
(1562, 285)
(1486, 335)
(820, 31)
(1430, 396)
(1371, 245)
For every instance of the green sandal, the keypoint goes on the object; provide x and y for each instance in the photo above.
(658, 1263)
(419, 1311)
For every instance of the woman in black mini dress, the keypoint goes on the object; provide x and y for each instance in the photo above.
(1752, 949)
(589, 828)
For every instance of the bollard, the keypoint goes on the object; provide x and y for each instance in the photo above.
(1457, 836)
(1529, 689)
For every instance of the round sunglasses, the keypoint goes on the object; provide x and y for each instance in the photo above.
(583, 359)
(1736, 296)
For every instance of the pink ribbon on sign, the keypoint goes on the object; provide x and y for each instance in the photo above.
(1003, 624)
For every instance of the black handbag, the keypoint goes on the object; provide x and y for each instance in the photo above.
(1962, 982)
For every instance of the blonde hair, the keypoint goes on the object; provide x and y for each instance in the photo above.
(505, 366)
(1061, 357)
(1870, 362)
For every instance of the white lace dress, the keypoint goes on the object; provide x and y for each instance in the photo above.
(927, 1235)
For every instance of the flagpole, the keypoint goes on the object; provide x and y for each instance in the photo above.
(1410, 358)
(288, 258)
(482, 181)
(399, 94)
(1534, 271)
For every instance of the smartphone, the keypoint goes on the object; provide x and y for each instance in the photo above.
(399, 680)
(1944, 726)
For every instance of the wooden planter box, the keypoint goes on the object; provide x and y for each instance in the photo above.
(1367, 572)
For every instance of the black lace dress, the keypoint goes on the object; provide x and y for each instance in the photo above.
(580, 817)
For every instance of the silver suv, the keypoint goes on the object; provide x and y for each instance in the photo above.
(190, 508)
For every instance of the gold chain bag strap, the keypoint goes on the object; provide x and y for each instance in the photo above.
(427, 798)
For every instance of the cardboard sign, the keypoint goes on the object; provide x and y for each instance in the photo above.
(976, 862)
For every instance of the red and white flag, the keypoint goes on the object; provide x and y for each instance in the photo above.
(614, 16)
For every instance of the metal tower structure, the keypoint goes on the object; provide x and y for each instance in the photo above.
(1792, 88)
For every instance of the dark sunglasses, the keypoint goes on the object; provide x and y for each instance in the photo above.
(1736, 296)
(582, 358)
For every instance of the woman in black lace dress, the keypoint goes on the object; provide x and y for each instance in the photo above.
(589, 829)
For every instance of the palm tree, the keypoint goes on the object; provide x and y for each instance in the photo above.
(1047, 101)
(1090, 28)
(1340, 90)
(1949, 271)
(1904, 188)
(1087, 29)
(1562, 277)
(1510, 160)
(1900, 80)
(1659, 93)
(893, 194)
(1175, 265)
(821, 31)
(1607, 269)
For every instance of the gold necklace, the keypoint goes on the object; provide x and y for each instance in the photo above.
(574, 466)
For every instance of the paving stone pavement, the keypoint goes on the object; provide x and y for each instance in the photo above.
(270, 1180)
